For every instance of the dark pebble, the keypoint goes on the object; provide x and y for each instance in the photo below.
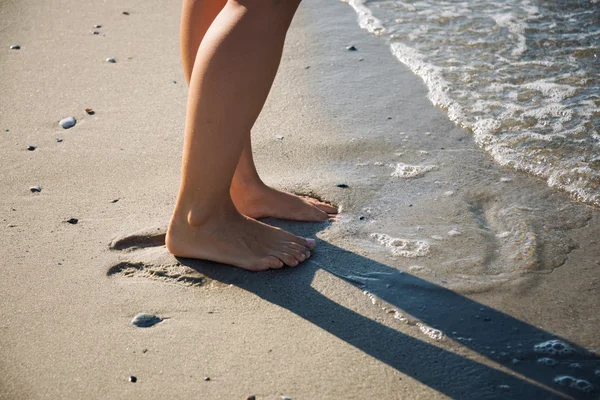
(115, 200)
(111, 60)
(31, 148)
(410, 205)
(307, 67)
(58, 140)
(72, 221)
(97, 26)
(15, 47)
(389, 117)
(362, 218)
(5, 130)
(90, 111)
(132, 379)
(144, 351)
(487, 319)
(125, 13)
(251, 397)
(207, 378)
(174, 81)
(342, 185)
(144, 320)
(95, 33)
(351, 48)
(35, 189)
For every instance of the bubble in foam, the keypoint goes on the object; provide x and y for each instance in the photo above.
(547, 361)
(572, 382)
(411, 171)
(402, 247)
(433, 333)
(553, 347)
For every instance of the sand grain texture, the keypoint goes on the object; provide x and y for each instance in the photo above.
(523, 270)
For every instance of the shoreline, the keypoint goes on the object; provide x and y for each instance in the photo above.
(308, 332)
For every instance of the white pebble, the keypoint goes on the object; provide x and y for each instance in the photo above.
(68, 122)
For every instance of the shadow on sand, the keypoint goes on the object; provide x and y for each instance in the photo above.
(492, 334)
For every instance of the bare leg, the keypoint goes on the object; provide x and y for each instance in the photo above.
(233, 72)
(249, 193)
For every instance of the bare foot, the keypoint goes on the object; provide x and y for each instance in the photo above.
(234, 239)
(257, 200)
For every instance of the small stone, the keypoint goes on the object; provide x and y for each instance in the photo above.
(286, 398)
(280, 137)
(454, 232)
(360, 59)
(114, 201)
(72, 221)
(145, 320)
(31, 148)
(67, 123)
(351, 48)
(487, 319)
(5, 129)
(90, 111)
(174, 81)
(15, 47)
(145, 350)
(132, 379)
(307, 67)
(207, 378)
(95, 33)
(111, 60)
(35, 189)
(342, 185)
(97, 26)
(58, 140)
(251, 397)
(389, 117)
(11, 225)
(125, 13)
(362, 218)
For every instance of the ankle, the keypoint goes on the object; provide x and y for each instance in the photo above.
(199, 215)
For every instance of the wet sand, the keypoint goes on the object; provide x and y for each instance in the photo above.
(491, 259)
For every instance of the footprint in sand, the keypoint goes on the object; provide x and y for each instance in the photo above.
(143, 255)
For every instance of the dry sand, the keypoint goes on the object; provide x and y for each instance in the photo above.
(503, 264)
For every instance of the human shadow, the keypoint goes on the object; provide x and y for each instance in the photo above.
(489, 332)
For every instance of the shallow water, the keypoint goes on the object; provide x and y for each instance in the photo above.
(521, 75)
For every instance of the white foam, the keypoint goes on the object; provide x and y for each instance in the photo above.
(366, 20)
(553, 347)
(433, 333)
(402, 247)
(411, 171)
(547, 361)
(572, 382)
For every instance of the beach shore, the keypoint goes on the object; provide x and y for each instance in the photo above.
(444, 274)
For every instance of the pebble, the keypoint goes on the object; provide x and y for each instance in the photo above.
(454, 232)
(95, 33)
(362, 218)
(342, 185)
(351, 48)
(207, 378)
(68, 122)
(35, 189)
(251, 397)
(286, 398)
(125, 13)
(90, 111)
(15, 47)
(11, 225)
(114, 201)
(31, 148)
(132, 379)
(5, 129)
(72, 221)
(97, 26)
(111, 60)
(144, 320)
(58, 140)
(389, 117)
(280, 137)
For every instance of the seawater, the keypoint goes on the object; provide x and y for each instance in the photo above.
(523, 76)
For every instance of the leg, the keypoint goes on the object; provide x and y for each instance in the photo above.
(234, 68)
(249, 194)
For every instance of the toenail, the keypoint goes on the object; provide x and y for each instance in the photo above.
(311, 242)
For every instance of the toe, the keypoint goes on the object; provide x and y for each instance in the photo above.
(310, 243)
(297, 253)
(287, 259)
(269, 262)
